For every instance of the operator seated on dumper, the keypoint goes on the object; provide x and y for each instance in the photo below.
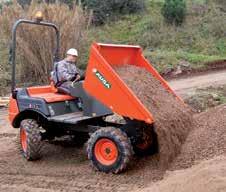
(66, 72)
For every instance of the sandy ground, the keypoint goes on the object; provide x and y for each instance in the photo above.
(208, 176)
(65, 169)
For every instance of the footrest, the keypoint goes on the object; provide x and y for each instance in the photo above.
(71, 118)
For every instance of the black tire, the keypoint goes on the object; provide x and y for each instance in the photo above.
(122, 145)
(148, 144)
(30, 143)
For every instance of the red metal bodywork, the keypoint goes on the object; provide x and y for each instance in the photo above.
(13, 109)
(48, 93)
(119, 97)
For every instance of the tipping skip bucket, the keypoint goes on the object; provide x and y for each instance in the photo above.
(103, 83)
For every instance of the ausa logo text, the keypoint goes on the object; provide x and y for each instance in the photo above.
(102, 79)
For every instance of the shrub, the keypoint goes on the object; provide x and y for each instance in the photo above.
(70, 3)
(174, 11)
(35, 43)
(104, 10)
(28, 2)
(24, 2)
(5, 3)
(222, 4)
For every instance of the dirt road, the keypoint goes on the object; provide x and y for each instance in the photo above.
(64, 169)
(187, 86)
(67, 169)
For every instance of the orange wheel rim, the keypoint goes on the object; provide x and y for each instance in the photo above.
(23, 139)
(106, 151)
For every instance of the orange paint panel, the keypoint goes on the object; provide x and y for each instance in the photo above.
(13, 109)
(119, 55)
(119, 97)
(106, 151)
(41, 89)
(48, 93)
(104, 84)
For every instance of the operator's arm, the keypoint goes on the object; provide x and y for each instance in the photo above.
(76, 78)
(64, 73)
(77, 74)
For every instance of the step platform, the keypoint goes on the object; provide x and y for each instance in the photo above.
(71, 118)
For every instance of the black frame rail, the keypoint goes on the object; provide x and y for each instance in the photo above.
(12, 53)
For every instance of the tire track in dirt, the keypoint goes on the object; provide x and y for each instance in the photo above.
(67, 169)
(10, 135)
(63, 183)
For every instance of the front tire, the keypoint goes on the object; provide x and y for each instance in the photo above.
(109, 150)
(30, 139)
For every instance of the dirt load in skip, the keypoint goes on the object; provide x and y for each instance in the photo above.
(172, 118)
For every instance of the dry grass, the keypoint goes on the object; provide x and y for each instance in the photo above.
(36, 44)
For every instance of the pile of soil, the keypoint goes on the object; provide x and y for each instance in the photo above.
(173, 119)
(208, 176)
(201, 165)
(206, 140)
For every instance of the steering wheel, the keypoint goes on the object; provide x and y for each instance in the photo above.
(82, 77)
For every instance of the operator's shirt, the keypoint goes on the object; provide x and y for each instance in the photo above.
(66, 71)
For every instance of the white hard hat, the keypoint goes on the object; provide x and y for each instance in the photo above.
(73, 52)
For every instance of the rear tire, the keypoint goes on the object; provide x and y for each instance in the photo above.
(147, 144)
(30, 139)
(109, 150)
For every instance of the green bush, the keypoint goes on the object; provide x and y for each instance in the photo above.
(222, 4)
(174, 11)
(104, 10)
(28, 2)
(24, 2)
(67, 2)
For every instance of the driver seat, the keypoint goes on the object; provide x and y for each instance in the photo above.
(49, 93)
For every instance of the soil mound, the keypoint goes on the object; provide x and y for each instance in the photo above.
(208, 176)
(173, 119)
(206, 140)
